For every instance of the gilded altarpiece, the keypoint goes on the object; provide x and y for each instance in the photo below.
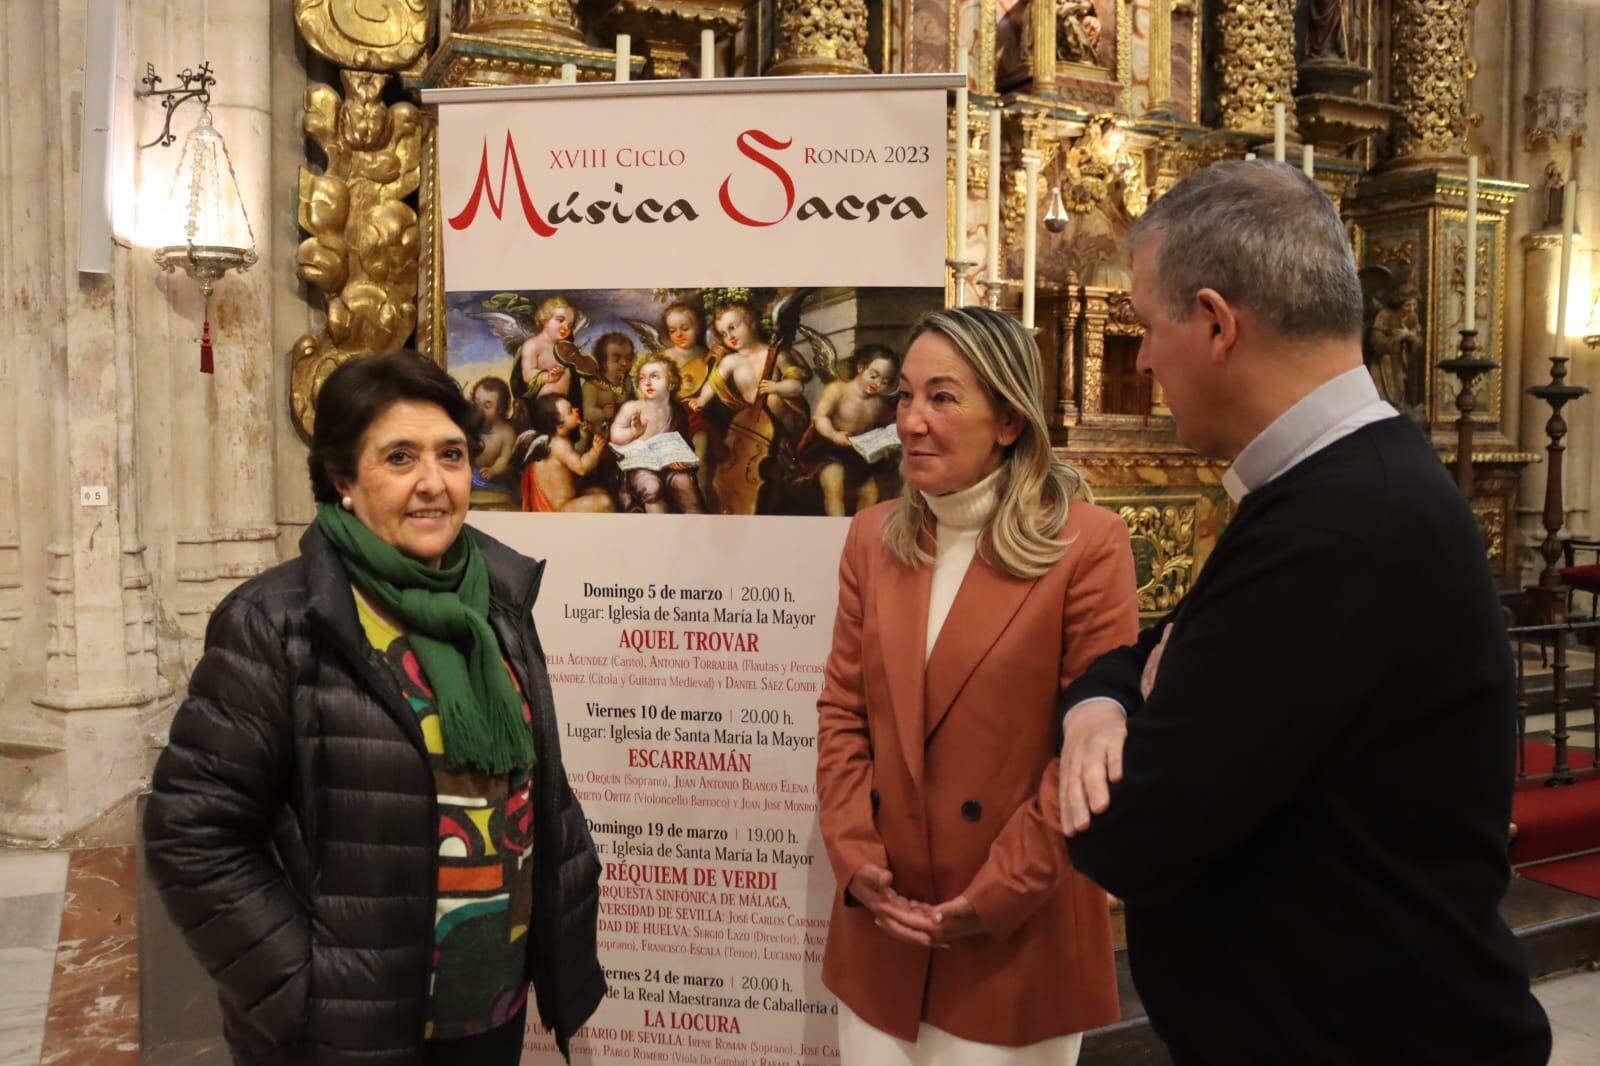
(1414, 225)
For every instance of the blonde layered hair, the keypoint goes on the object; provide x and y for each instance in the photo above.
(1035, 489)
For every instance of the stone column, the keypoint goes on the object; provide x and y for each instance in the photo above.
(821, 37)
(1429, 80)
(1552, 131)
(87, 700)
(1257, 59)
(247, 384)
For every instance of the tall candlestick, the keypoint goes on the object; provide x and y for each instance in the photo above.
(569, 72)
(1469, 309)
(1308, 161)
(960, 227)
(1030, 234)
(995, 236)
(1279, 135)
(624, 55)
(1569, 207)
(708, 54)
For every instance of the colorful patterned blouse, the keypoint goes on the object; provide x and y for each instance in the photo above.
(485, 900)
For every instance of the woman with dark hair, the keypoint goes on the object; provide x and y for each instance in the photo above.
(361, 823)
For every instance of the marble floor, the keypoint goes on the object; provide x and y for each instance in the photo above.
(70, 980)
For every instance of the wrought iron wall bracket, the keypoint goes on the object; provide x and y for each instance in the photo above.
(196, 85)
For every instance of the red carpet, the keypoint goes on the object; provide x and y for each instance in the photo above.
(1580, 875)
(1553, 822)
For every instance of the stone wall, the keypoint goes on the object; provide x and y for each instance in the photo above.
(103, 608)
(1532, 52)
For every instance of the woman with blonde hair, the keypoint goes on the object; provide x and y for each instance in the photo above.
(960, 932)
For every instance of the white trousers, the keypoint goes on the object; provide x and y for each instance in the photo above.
(862, 1045)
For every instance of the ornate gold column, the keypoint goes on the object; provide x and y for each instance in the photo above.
(1429, 80)
(1257, 58)
(1161, 101)
(1043, 60)
(363, 252)
(821, 37)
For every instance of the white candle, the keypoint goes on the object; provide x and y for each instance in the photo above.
(569, 72)
(1030, 234)
(624, 55)
(995, 237)
(708, 54)
(1569, 207)
(960, 226)
(1279, 136)
(1469, 309)
(1308, 161)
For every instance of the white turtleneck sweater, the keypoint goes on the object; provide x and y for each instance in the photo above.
(960, 516)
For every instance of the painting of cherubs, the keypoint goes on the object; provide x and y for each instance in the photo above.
(656, 411)
(849, 408)
(545, 361)
(556, 477)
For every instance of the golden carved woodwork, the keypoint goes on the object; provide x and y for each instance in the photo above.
(821, 37)
(1412, 219)
(1257, 60)
(523, 21)
(363, 254)
(1121, 319)
(669, 30)
(382, 35)
(1430, 78)
(1163, 535)
(1492, 524)
(1107, 313)
(1161, 101)
(1078, 30)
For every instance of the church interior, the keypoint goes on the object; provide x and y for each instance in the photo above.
(157, 401)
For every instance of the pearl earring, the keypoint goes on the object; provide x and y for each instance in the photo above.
(347, 503)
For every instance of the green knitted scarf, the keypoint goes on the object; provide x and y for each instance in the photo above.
(445, 613)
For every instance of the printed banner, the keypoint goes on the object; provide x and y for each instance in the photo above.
(684, 316)
(721, 189)
(686, 658)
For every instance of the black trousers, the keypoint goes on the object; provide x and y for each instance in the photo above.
(497, 1047)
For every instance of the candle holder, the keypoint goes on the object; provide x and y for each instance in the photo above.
(1468, 366)
(959, 268)
(1557, 393)
(992, 290)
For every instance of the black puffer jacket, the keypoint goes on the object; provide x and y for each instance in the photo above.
(292, 830)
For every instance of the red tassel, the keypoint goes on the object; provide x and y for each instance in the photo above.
(205, 347)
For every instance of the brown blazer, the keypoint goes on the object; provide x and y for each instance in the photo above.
(947, 776)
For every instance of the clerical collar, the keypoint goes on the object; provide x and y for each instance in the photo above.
(1331, 412)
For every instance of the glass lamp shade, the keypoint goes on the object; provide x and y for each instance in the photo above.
(1591, 330)
(216, 233)
(1056, 218)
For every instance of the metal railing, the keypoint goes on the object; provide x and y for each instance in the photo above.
(1551, 690)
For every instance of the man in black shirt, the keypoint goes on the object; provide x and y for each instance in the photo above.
(1299, 783)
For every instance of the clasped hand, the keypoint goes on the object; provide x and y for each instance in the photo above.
(912, 920)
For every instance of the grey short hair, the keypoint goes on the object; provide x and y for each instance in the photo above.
(1264, 236)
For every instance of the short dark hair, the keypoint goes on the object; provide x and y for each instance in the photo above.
(359, 392)
(501, 390)
(545, 414)
(613, 337)
(868, 354)
(1263, 235)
